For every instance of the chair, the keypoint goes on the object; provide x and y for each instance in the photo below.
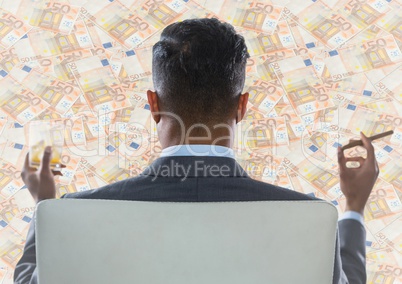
(107, 241)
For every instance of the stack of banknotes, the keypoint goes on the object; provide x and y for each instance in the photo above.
(319, 73)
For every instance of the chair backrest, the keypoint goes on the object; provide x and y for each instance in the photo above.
(105, 241)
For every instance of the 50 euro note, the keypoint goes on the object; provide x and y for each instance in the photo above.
(10, 179)
(18, 102)
(301, 36)
(324, 177)
(92, 179)
(54, 16)
(8, 59)
(74, 134)
(253, 15)
(15, 153)
(390, 236)
(265, 167)
(78, 184)
(260, 66)
(11, 242)
(370, 33)
(363, 13)
(349, 122)
(124, 119)
(369, 55)
(263, 43)
(357, 84)
(331, 28)
(263, 95)
(92, 129)
(125, 26)
(389, 164)
(391, 85)
(101, 89)
(392, 22)
(294, 124)
(343, 99)
(383, 202)
(133, 64)
(60, 63)
(58, 94)
(193, 10)
(162, 13)
(266, 134)
(384, 272)
(100, 37)
(107, 168)
(39, 44)
(385, 104)
(12, 29)
(304, 88)
(71, 161)
(299, 184)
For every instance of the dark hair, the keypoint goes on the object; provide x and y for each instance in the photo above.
(199, 69)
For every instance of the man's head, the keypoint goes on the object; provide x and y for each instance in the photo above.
(199, 71)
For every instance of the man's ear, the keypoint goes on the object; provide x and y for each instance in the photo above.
(154, 105)
(242, 107)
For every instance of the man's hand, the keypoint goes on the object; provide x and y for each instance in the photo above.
(357, 183)
(40, 182)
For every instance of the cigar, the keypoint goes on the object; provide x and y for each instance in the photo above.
(360, 143)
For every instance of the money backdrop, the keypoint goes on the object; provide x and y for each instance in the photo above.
(319, 73)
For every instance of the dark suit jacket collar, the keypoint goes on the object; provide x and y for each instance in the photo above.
(195, 166)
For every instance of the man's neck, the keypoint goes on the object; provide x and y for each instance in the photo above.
(201, 134)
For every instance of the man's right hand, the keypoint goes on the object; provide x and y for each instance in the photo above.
(357, 183)
(40, 182)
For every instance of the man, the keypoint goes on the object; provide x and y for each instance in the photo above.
(199, 73)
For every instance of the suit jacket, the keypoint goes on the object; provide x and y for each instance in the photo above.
(205, 179)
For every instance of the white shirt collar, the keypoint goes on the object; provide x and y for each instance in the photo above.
(198, 150)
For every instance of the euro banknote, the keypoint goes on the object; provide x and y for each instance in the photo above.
(373, 54)
(363, 13)
(40, 43)
(101, 89)
(58, 94)
(162, 13)
(10, 179)
(54, 16)
(386, 272)
(306, 93)
(325, 24)
(391, 23)
(18, 102)
(253, 15)
(263, 43)
(391, 85)
(12, 29)
(263, 95)
(133, 64)
(126, 27)
(79, 183)
(263, 133)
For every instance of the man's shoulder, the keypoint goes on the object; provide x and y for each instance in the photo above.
(267, 191)
(110, 191)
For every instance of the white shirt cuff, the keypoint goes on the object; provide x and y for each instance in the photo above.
(353, 215)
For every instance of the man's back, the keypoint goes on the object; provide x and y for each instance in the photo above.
(185, 178)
